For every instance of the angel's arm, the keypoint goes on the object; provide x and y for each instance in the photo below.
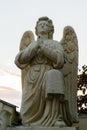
(25, 56)
(56, 55)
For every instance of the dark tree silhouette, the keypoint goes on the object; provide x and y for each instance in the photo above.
(82, 85)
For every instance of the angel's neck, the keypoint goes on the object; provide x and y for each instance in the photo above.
(44, 36)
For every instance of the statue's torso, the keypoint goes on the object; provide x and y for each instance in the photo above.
(40, 58)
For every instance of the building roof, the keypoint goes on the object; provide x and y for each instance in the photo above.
(7, 103)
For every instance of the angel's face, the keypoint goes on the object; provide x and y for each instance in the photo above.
(42, 27)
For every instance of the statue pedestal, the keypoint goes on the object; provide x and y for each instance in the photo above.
(41, 128)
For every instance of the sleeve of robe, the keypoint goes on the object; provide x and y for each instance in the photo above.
(24, 57)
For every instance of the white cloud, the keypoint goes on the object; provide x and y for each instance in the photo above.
(10, 78)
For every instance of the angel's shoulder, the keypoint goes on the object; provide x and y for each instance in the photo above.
(57, 44)
(33, 43)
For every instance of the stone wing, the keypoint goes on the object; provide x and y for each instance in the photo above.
(26, 39)
(70, 69)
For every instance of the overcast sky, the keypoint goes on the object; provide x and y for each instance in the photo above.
(18, 16)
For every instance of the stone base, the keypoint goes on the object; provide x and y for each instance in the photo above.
(41, 128)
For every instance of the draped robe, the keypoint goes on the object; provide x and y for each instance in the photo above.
(40, 105)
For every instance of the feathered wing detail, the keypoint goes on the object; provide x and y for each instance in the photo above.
(26, 39)
(70, 69)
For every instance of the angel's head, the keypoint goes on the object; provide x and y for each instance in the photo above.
(45, 25)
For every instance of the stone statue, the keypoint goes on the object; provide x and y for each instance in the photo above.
(49, 70)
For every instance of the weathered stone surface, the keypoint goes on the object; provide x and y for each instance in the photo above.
(8, 114)
(41, 128)
(7, 106)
